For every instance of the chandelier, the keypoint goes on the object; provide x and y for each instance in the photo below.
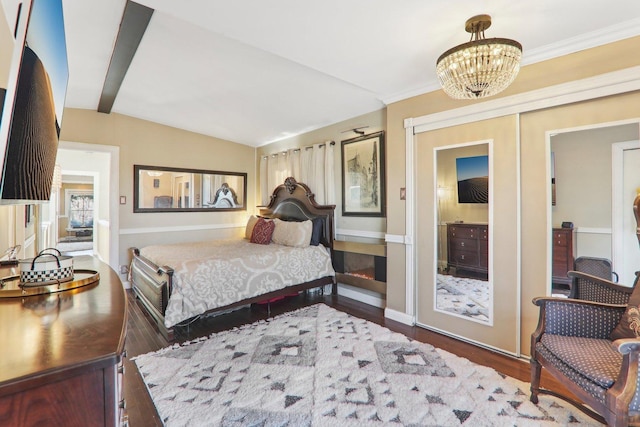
(481, 67)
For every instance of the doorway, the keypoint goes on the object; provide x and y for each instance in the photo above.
(95, 167)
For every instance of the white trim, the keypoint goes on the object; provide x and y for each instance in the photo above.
(357, 295)
(518, 240)
(621, 81)
(399, 316)
(103, 223)
(114, 188)
(146, 230)
(617, 200)
(602, 36)
(395, 238)
(613, 33)
(360, 233)
(593, 230)
(410, 250)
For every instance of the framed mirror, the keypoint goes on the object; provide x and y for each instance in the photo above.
(165, 189)
(463, 287)
(595, 180)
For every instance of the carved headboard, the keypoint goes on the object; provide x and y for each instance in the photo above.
(294, 201)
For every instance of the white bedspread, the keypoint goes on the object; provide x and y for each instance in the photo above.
(216, 273)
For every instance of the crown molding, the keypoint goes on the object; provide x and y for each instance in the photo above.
(616, 82)
(621, 31)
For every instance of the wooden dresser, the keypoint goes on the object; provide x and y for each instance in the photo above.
(61, 354)
(564, 254)
(468, 247)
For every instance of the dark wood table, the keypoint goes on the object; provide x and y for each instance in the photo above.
(61, 354)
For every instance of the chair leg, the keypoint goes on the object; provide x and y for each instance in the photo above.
(536, 371)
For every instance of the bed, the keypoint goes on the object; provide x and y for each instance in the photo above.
(178, 282)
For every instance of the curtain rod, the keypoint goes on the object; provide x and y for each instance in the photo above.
(266, 156)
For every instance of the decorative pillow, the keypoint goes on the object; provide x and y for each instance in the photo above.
(251, 222)
(262, 231)
(316, 231)
(292, 233)
(629, 326)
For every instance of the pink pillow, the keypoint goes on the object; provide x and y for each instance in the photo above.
(262, 231)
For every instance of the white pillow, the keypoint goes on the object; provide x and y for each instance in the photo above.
(292, 233)
(250, 224)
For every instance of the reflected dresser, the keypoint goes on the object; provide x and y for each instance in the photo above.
(468, 247)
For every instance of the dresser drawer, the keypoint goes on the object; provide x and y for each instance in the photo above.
(463, 244)
(465, 258)
(463, 232)
(560, 239)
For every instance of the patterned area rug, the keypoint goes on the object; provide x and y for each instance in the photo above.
(321, 367)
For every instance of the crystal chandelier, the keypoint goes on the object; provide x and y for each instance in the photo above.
(481, 67)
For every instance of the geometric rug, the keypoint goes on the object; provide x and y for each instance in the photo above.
(321, 367)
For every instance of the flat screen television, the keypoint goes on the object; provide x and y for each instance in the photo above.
(33, 103)
(473, 179)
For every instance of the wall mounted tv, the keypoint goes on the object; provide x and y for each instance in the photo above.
(473, 179)
(33, 103)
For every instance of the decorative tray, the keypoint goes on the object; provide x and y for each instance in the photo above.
(11, 286)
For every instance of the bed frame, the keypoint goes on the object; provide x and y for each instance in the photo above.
(292, 201)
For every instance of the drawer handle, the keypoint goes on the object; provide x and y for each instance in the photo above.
(462, 257)
(461, 243)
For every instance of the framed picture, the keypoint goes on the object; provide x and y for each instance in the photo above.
(79, 204)
(363, 175)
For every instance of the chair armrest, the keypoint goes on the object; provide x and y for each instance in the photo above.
(563, 316)
(592, 288)
(626, 345)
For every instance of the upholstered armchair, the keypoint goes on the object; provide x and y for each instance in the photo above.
(572, 342)
(591, 288)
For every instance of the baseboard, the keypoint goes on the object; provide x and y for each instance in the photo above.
(398, 316)
(358, 295)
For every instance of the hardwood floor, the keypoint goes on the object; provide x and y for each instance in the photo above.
(143, 337)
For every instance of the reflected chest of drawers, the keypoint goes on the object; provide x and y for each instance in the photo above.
(564, 253)
(468, 247)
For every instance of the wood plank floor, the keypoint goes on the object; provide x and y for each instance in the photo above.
(143, 337)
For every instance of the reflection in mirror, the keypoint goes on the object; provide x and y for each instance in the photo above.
(463, 287)
(595, 180)
(163, 189)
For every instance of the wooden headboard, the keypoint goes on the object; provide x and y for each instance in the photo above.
(294, 201)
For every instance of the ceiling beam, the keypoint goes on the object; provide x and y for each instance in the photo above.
(135, 20)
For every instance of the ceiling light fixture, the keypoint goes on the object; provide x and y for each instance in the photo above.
(481, 67)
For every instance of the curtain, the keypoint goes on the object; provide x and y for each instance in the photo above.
(312, 165)
(264, 184)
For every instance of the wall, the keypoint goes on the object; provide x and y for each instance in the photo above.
(533, 201)
(347, 227)
(147, 143)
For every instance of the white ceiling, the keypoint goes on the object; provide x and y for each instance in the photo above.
(256, 71)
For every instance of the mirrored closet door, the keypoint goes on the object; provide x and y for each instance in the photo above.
(466, 232)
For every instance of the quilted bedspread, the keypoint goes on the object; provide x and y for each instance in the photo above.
(216, 273)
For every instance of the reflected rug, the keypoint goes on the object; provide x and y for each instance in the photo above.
(463, 296)
(321, 367)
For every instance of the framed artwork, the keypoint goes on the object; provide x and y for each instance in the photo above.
(363, 175)
(79, 208)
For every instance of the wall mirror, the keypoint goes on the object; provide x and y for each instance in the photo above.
(463, 287)
(594, 180)
(164, 189)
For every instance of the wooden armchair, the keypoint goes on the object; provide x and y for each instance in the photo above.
(572, 343)
(592, 288)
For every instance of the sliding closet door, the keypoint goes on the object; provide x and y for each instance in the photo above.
(466, 232)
